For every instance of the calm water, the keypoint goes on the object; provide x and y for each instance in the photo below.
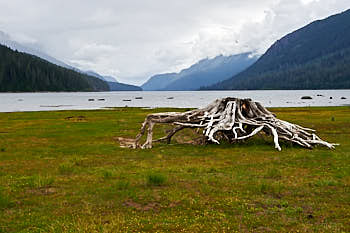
(12, 102)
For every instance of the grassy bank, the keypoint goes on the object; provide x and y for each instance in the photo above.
(64, 171)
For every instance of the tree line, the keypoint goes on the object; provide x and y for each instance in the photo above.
(21, 72)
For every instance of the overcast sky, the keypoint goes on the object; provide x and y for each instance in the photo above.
(134, 39)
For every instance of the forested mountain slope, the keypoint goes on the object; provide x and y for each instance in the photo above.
(21, 72)
(316, 56)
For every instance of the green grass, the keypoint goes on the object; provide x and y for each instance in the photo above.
(156, 179)
(4, 200)
(107, 174)
(66, 168)
(38, 181)
(62, 175)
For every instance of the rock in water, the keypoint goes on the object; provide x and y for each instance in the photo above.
(306, 98)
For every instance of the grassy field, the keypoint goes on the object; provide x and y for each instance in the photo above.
(65, 172)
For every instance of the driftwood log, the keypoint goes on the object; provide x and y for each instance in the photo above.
(230, 118)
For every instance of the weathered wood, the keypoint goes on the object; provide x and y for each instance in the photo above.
(235, 119)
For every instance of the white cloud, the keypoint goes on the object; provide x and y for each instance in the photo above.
(134, 39)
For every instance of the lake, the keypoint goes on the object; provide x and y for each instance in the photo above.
(13, 102)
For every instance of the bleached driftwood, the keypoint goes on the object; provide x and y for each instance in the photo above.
(232, 118)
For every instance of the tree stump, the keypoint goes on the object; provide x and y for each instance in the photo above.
(231, 118)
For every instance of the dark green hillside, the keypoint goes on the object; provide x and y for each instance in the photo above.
(21, 72)
(114, 86)
(316, 56)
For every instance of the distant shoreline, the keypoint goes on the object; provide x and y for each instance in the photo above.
(48, 101)
(175, 91)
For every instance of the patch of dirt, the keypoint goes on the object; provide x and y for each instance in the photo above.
(187, 140)
(263, 229)
(174, 204)
(43, 191)
(151, 206)
(76, 118)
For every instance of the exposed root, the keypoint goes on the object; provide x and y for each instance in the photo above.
(235, 119)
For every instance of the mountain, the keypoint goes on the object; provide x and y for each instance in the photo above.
(159, 82)
(21, 72)
(203, 73)
(104, 78)
(113, 84)
(7, 41)
(316, 56)
(111, 81)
